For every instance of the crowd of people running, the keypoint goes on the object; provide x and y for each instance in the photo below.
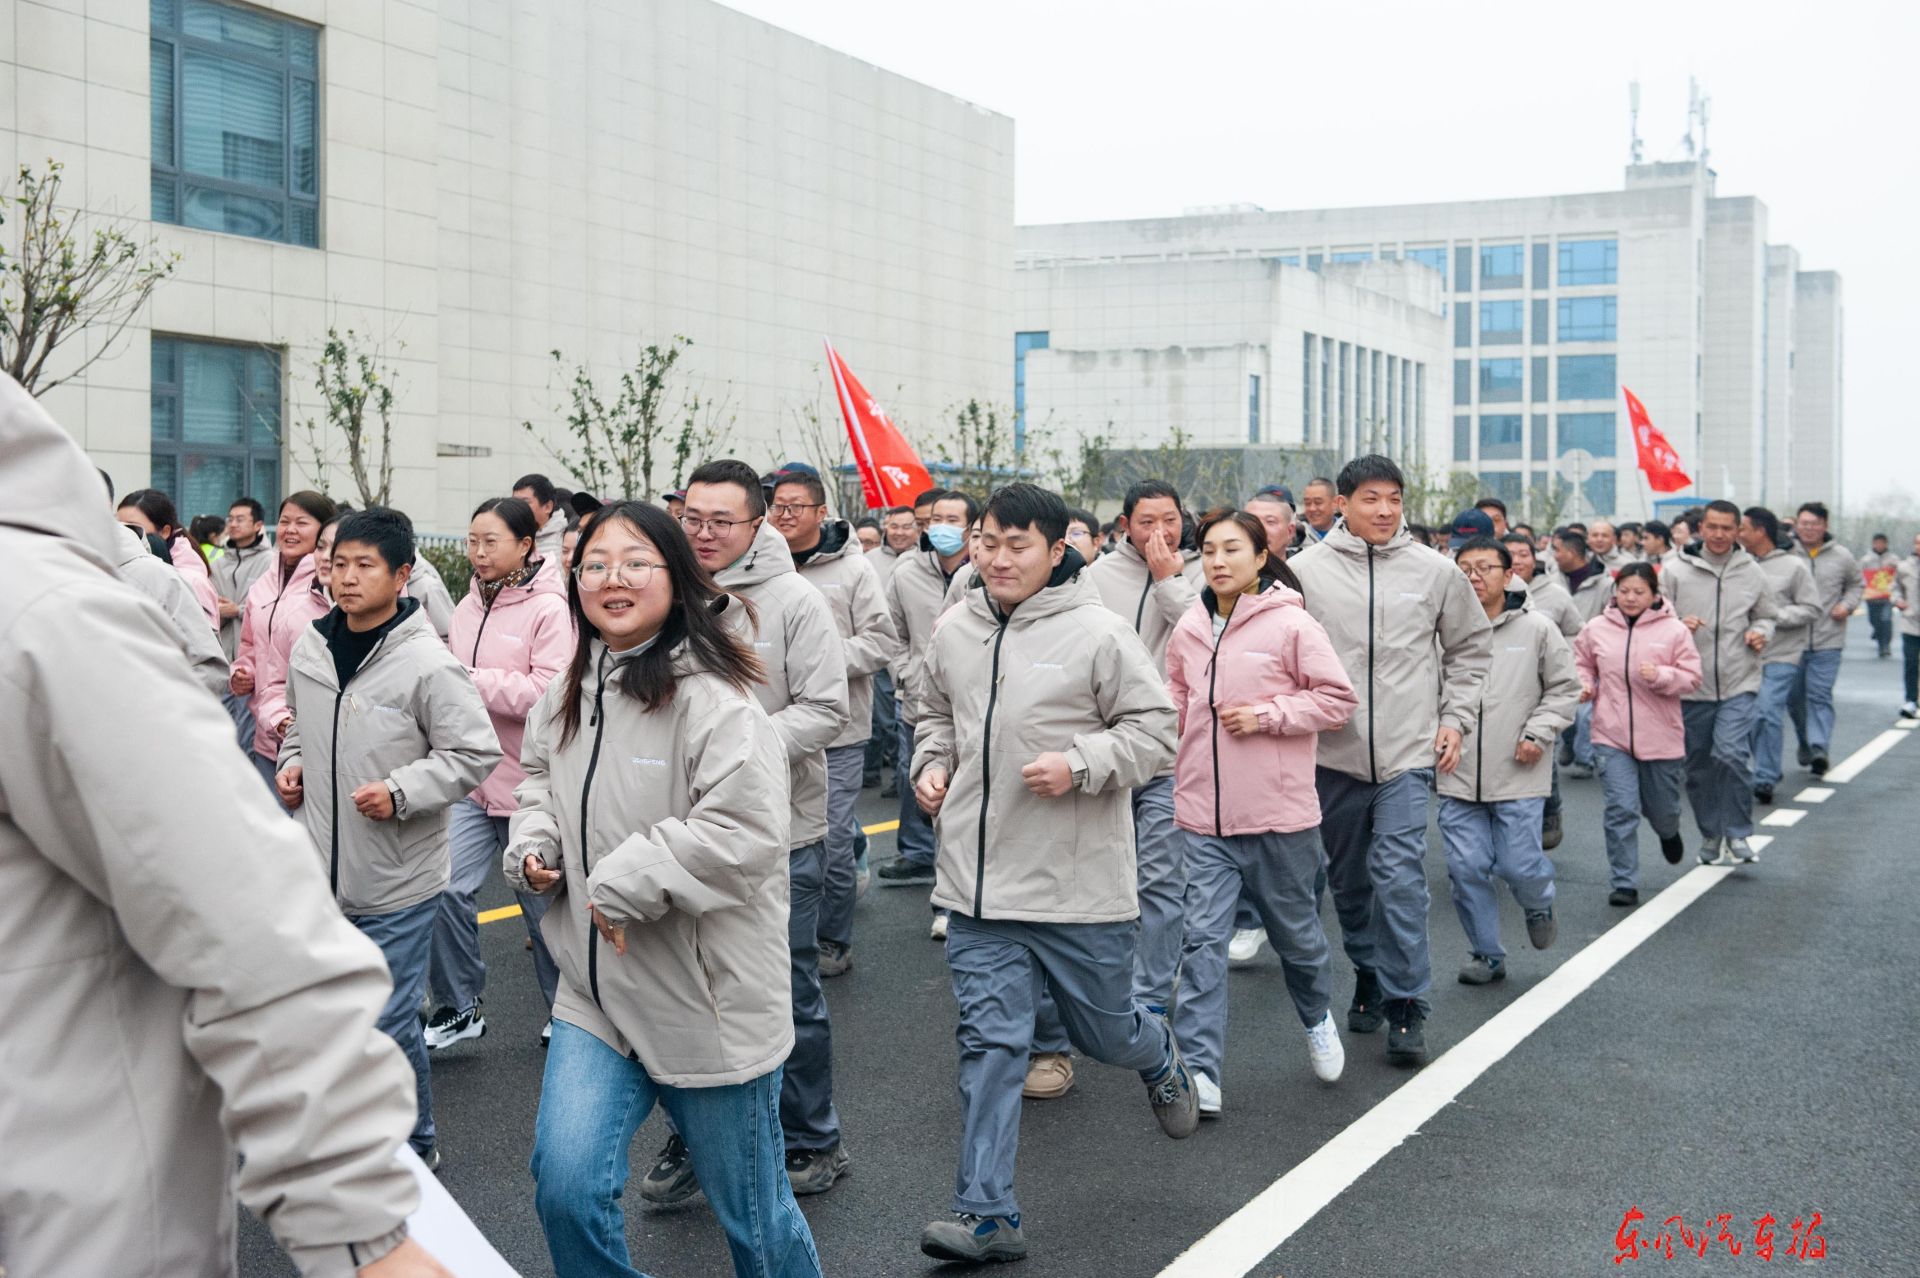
(1127, 755)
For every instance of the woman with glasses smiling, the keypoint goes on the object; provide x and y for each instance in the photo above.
(655, 809)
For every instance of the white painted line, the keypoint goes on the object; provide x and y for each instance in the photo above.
(1814, 794)
(1784, 816)
(1906, 725)
(1856, 763)
(1240, 1242)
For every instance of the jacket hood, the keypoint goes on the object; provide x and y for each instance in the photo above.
(1347, 542)
(836, 542)
(767, 558)
(52, 488)
(335, 621)
(1275, 595)
(1656, 612)
(1696, 555)
(133, 547)
(1066, 589)
(1518, 601)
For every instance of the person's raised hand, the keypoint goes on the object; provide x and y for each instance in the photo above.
(1163, 560)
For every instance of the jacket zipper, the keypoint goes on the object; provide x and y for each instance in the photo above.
(1626, 672)
(986, 773)
(599, 726)
(1719, 584)
(1140, 613)
(1213, 668)
(486, 614)
(333, 769)
(1373, 763)
(1479, 750)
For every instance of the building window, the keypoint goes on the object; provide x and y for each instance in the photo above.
(1351, 255)
(1463, 381)
(1589, 262)
(1463, 439)
(1420, 410)
(1376, 420)
(1313, 261)
(1501, 265)
(235, 121)
(1435, 258)
(1022, 343)
(1463, 269)
(1306, 388)
(1326, 388)
(1588, 432)
(1588, 319)
(1253, 408)
(1542, 253)
(1500, 323)
(1500, 380)
(1540, 334)
(1463, 327)
(216, 424)
(1346, 396)
(1598, 488)
(1501, 437)
(1286, 259)
(1504, 484)
(1587, 377)
(1538, 432)
(1539, 395)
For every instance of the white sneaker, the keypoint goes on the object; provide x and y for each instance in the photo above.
(1324, 1050)
(1245, 945)
(939, 929)
(1910, 710)
(1742, 852)
(1207, 1093)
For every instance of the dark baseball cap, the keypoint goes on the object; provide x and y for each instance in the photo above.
(1280, 491)
(1467, 525)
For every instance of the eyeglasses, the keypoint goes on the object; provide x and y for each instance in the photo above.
(1493, 570)
(784, 510)
(598, 576)
(1079, 534)
(718, 527)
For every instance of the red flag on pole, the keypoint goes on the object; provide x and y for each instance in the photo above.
(890, 471)
(1655, 454)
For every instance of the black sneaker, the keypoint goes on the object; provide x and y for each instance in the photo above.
(815, 1171)
(1406, 1032)
(973, 1239)
(868, 780)
(670, 1180)
(1550, 833)
(891, 790)
(1624, 896)
(1763, 794)
(1672, 847)
(432, 1159)
(835, 958)
(901, 872)
(447, 1027)
(1541, 929)
(1819, 764)
(1171, 1095)
(1364, 1015)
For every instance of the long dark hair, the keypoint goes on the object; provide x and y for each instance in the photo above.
(693, 620)
(160, 512)
(1275, 569)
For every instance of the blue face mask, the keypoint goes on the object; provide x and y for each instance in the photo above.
(946, 538)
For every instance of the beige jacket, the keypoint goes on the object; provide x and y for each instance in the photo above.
(409, 715)
(1550, 599)
(884, 559)
(844, 576)
(1838, 583)
(1062, 674)
(161, 583)
(1415, 642)
(174, 981)
(1791, 580)
(1535, 691)
(685, 816)
(1906, 590)
(1152, 608)
(806, 689)
(916, 596)
(1730, 599)
(427, 585)
(234, 573)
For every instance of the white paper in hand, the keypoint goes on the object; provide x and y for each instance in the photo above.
(443, 1228)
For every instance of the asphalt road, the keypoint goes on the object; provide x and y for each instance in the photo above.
(1753, 1056)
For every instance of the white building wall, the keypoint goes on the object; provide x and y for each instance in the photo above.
(1783, 265)
(1734, 434)
(1819, 389)
(501, 179)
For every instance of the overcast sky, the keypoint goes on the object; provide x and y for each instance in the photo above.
(1130, 109)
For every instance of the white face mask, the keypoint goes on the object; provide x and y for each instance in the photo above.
(946, 538)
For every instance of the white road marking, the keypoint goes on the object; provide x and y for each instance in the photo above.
(1906, 725)
(1784, 816)
(1856, 763)
(1240, 1242)
(1814, 794)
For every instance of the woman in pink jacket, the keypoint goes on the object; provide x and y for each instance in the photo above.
(1256, 680)
(514, 634)
(153, 512)
(279, 605)
(1636, 660)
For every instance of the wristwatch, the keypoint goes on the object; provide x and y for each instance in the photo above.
(399, 798)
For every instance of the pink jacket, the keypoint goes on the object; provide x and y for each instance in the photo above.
(1274, 656)
(273, 618)
(193, 567)
(1632, 713)
(512, 650)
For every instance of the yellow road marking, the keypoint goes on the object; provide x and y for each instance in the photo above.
(513, 911)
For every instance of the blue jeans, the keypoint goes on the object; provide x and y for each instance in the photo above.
(1910, 665)
(914, 841)
(593, 1100)
(1376, 840)
(1720, 765)
(1770, 720)
(1487, 840)
(1880, 621)
(806, 1089)
(240, 710)
(1812, 703)
(405, 938)
(1635, 788)
(885, 739)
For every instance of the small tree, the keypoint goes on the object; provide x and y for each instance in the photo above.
(819, 439)
(1081, 471)
(69, 276)
(706, 424)
(356, 393)
(1434, 500)
(615, 446)
(1547, 502)
(980, 446)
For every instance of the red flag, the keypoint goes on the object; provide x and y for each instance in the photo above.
(1656, 455)
(890, 471)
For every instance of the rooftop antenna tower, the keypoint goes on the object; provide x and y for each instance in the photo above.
(1633, 116)
(1693, 113)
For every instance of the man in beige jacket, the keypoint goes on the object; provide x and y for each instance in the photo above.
(1040, 712)
(169, 960)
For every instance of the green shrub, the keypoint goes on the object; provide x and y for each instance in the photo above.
(453, 566)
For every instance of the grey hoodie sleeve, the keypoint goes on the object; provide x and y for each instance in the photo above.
(1856, 585)
(435, 598)
(1466, 651)
(534, 829)
(221, 896)
(1765, 610)
(1800, 605)
(816, 675)
(1142, 726)
(1177, 593)
(875, 640)
(460, 737)
(1560, 689)
(933, 732)
(722, 852)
